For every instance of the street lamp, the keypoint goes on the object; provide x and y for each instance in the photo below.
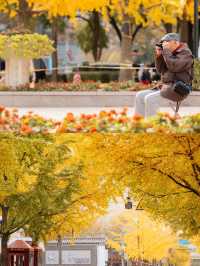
(196, 27)
(59, 245)
(129, 204)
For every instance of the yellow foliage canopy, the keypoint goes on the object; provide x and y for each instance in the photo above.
(141, 11)
(143, 237)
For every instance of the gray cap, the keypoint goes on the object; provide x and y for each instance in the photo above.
(171, 37)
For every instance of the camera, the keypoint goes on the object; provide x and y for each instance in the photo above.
(159, 45)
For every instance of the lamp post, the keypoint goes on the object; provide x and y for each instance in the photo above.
(196, 27)
(59, 245)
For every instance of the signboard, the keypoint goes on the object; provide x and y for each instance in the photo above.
(183, 242)
(52, 257)
(76, 257)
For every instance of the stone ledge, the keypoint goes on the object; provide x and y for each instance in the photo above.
(79, 99)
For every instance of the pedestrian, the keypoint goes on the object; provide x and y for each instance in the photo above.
(145, 77)
(77, 78)
(174, 62)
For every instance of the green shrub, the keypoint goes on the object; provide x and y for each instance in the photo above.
(196, 80)
(102, 76)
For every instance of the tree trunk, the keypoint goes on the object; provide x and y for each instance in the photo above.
(168, 27)
(126, 52)
(4, 237)
(186, 32)
(17, 72)
(24, 17)
(4, 250)
(55, 53)
(96, 25)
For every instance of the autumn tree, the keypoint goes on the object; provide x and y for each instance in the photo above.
(137, 236)
(127, 16)
(92, 36)
(33, 186)
(142, 237)
(163, 172)
(46, 189)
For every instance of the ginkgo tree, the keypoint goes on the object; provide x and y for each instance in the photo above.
(126, 16)
(163, 173)
(47, 187)
(137, 236)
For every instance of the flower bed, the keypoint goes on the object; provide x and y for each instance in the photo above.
(83, 86)
(110, 122)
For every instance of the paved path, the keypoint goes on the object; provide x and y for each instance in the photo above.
(59, 113)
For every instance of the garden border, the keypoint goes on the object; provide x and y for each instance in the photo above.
(79, 99)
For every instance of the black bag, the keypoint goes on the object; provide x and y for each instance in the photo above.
(182, 88)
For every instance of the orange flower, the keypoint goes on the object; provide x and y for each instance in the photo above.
(123, 120)
(93, 130)
(2, 108)
(83, 116)
(102, 114)
(7, 113)
(113, 112)
(79, 127)
(61, 129)
(167, 115)
(137, 117)
(111, 119)
(124, 112)
(2, 121)
(70, 117)
(26, 129)
(88, 117)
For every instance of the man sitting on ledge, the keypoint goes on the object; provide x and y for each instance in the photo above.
(174, 61)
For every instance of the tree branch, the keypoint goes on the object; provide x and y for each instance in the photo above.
(87, 20)
(183, 183)
(194, 165)
(163, 195)
(8, 7)
(43, 213)
(113, 22)
(138, 27)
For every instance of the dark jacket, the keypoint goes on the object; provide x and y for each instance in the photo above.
(174, 66)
